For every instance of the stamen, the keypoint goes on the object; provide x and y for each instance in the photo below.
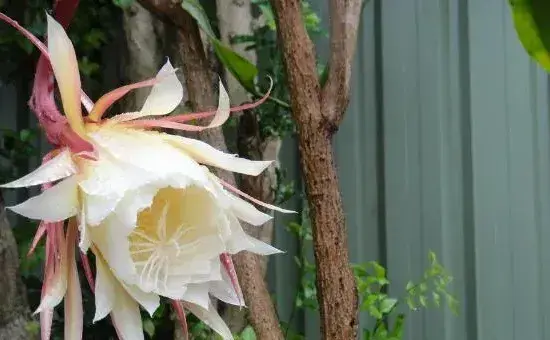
(141, 251)
(144, 236)
(161, 226)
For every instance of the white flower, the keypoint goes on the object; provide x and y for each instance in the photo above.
(157, 220)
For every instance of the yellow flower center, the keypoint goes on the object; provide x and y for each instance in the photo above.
(171, 232)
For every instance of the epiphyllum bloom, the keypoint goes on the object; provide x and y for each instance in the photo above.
(158, 222)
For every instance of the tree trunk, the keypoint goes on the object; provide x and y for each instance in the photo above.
(14, 311)
(318, 113)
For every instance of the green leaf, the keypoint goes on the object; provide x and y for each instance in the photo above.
(423, 287)
(25, 135)
(366, 334)
(368, 301)
(422, 300)
(123, 3)
(531, 19)
(436, 298)
(379, 271)
(194, 8)
(387, 305)
(248, 334)
(242, 69)
(410, 303)
(149, 327)
(397, 331)
(323, 75)
(375, 312)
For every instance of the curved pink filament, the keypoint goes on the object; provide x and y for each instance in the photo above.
(87, 270)
(109, 98)
(40, 232)
(153, 123)
(180, 312)
(184, 117)
(227, 263)
(245, 195)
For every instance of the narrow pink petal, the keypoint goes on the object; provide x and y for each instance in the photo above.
(34, 40)
(45, 67)
(263, 204)
(181, 318)
(227, 263)
(109, 98)
(41, 231)
(73, 298)
(157, 123)
(55, 286)
(87, 270)
(46, 315)
(77, 144)
(46, 320)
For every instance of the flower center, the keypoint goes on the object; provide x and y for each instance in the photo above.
(170, 235)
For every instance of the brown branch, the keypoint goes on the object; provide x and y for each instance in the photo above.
(262, 315)
(317, 118)
(344, 23)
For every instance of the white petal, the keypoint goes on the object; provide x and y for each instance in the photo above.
(262, 248)
(112, 242)
(245, 211)
(166, 95)
(223, 290)
(59, 167)
(239, 240)
(211, 318)
(133, 202)
(206, 154)
(105, 286)
(242, 241)
(197, 294)
(107, 176)
(85, 242)
(99, 207)
(149, 301)
(126, 316)
(55, 293)
(148, 152)
(222, 114)
(57, 286)
(112, 297)
(55, 204)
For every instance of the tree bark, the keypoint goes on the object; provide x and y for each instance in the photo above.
(198, 77)
(318, 113)
(14, 311)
